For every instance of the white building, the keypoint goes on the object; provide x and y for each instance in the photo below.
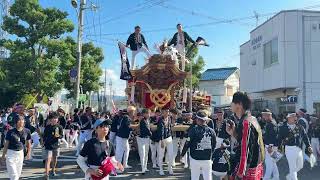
(280, 63)
(221, 84)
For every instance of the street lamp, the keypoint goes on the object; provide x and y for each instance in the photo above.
(74, 3)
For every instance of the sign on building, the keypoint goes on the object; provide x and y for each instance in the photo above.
(289, 99)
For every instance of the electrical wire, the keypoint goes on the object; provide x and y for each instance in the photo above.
(226, 21)
(222, 21)
(218, 21)
(99, 20)
(193, 13)
(312, 6)
(103, 42)
(147, 5)
(93, 21)
(86, 21)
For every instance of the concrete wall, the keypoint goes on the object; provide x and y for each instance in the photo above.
(312, 59)
(254, 75)
(298, 34)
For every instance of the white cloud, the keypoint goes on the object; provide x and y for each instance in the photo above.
(110, 73)
(118, 85)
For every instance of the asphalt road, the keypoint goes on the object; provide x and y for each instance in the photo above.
(67, 169)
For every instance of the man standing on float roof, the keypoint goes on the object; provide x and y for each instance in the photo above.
(137, 44)
(180, 41)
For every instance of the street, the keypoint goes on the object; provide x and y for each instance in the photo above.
(67, 169)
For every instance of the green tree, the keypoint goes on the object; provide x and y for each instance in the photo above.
(2, 71)
(198, 64)
(90, 65)
(40, 60)
(32, 66)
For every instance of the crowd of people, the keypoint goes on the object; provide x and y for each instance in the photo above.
(237, 146)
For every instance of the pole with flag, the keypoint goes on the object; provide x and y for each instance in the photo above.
(125, 66)
(114, 108)
(199, 42)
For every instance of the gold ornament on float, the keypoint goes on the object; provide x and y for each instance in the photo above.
(160, 97)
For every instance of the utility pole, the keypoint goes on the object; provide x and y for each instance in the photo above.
(79, 44)
(105, 91)
(110, 94)
(190, 100)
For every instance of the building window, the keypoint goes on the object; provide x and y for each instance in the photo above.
(271, 52)
(229, 91)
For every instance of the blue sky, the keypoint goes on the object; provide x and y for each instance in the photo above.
(113, 18)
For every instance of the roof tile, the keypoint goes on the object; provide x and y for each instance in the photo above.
(217, 74)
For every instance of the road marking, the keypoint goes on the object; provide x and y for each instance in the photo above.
(59, 160)
(61, 156)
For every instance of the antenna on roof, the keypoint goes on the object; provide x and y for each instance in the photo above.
(256, 15)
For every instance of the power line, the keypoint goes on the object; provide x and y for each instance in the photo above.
(312, 6)
(99, 20)
(93, 21)
(136, 10)
(191, 26)
(86, 19)
(103, 42)
(222, 21)
(193, 13)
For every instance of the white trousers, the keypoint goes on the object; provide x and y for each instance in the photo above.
(182, 52)
(143, 148)
(295, 160)
(315, 147)
(35, 139)
(132, 93)
(154, 152)
(112, 137)
(122, 150)
(271, 172)
(167, 144)
(133, 60)
(74, 138)
(68, 136)
(134, 54)
(14, 163)
(176, 142)
(219, 174)
(85, 135)
(178, 147)
(203, 167)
